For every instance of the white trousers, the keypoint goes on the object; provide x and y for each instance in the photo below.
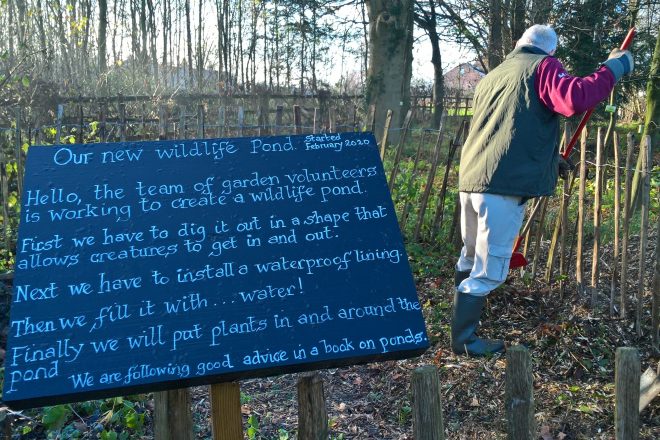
(489, 226)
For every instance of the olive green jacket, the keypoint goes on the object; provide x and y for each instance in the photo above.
(511, 148)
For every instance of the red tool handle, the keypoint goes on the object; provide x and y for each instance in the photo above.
(569, 148)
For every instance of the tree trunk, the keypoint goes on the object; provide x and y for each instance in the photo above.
(390, 61)
(518, 20)
(191, 76)
(103, 27)
(495, 34)
(540, 11)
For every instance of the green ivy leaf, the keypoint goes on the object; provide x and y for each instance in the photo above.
(108, 435)
(26, 81)
(585, 409)
(55, 416)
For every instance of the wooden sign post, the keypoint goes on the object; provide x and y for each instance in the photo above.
(148, 266)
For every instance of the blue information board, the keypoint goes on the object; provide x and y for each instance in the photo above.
(144, 266)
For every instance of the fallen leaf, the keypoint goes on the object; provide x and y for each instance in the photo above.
(545, 433)
(561, 436)
(474, 402)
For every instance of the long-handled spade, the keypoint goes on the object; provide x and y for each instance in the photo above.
(517, 258)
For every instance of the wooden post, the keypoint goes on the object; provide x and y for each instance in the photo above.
(200, 121)
(58, 124)
(626, 386)
(317, 115)
(143, 127)
(579, 270)
(221, 121)
(372, 119)
(645, 178)
(566, 195)
(182, 121)
(122, 122)
(627, 197)
(173, 415)
(81, 121)
(386, 133)
(427, 404)
(539, 235)
(226, 419)
(312, 413)
(103, 124)
(297, 119)
(162, 122)
(400, 147)
(332, 119)
(598, 195)
(279, 114)
(519, 394)
(430, 180)
(617, 215)
(355, 118)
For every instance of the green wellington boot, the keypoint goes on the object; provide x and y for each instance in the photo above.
(465, 320)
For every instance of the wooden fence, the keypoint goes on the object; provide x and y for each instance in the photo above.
(421, 170)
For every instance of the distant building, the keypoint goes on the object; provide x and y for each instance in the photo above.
(462, 80)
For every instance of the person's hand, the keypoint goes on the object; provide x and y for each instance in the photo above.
(565, 168)
(620, 62)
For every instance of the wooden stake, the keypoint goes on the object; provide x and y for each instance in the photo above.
(400, 147)
(430, 180)
(519, 394)
(200, 121)
(81, 122)
(645, 178)
(539, 236)
(440, 206)
(122, 122)
(182, 121)
(617, 215)
(222, 118)
(312, 412)
(386, 133)
(627, 197)
(297, 121)
(332, 118)
(58, 124)
(317, 115)
(103, 125)
(279, 113)
(241, 120)
(427, 404)
(162, 122)
(626, 385)
(226, 419)
(579, 270)
(598, 195)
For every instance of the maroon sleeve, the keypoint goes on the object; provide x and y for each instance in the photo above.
(569, 95)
